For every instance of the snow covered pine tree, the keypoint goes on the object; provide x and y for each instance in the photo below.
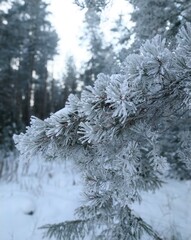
(114, 133)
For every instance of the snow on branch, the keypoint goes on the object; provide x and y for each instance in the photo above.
(122, 124)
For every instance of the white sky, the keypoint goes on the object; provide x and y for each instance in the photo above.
(67, 19)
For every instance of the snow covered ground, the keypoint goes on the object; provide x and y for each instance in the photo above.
(168, 210)
(51, 196)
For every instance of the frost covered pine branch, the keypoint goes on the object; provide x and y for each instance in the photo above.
(117, 132)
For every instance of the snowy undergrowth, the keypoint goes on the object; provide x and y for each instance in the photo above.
(51, 193)
(44, 193)
(168, 210)
(8, 165)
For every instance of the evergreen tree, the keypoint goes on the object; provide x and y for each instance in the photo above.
(102, 56)
(27, 43)
(97, 5)
(115, 133)
(38, 48)
(10, 101)
(56, 98)
(159, 17)
(164, 18)
(70, 79)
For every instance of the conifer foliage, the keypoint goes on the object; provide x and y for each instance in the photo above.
(115, 133)
(159, 17)
(27, 44)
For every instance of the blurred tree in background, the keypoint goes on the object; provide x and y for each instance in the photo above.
(27, 43)
(159, 17)
(102, 55)
(70, 78)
